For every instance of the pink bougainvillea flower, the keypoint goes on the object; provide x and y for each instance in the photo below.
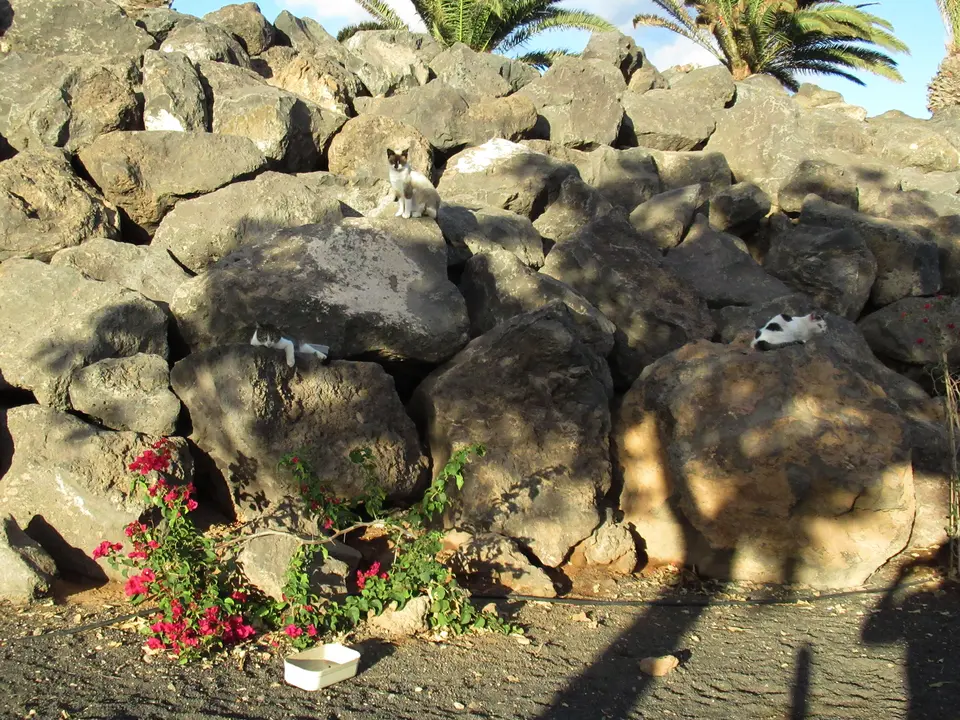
(312, 630)
(239, 596)
(191, 505)
(927, 306)
(295, 460)
(951, 326)
(293, 631)
(328, 523)
(919, 341)
(155, 643)
(106, 548)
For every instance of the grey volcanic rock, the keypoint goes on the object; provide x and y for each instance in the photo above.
(246, 23)
(202, 41)
(472, 230)
(360, 148)
(173, 96)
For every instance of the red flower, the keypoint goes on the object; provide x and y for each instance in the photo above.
(384, 576)
(137, 555)
(361, 580)
(951, 326)
(293, 631)
(295, 460)
(312, 630)
(926, 320)
(927, 306)
(153, 544)
(191, 505)
(154, 643)
(239, 596)
(106, 548)
(328, 523)
(919, 341)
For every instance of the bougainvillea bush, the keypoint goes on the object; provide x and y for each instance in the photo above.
(204, 603)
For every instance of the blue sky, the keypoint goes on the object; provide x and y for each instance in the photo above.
(916, 22)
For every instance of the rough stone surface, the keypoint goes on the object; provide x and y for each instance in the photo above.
(248, 409)
(504, 174)
(129, 393)
(201, 231)
(621, 275)
(26, 570)
(834, 267)
(53, 321)
(54, 27)
(360, 148)
(894, 332)
(579, 102)
(577, 204)
(65, 100)
(322, 81)
(617, 49)
(680, 169)
(907, 264)
(202, 41)
(246, 23)
(147, 269)
(472, 230)
(146, 173)
(612, 545)
(397, 57)
(265, 561)
(493, 565)
(44, 207)
(436, 110)
(766, 467)
(824, 179)
(290, 131)
(475, 74)
(363, 286)
(662, 119)
(707, 87)
(396, 623)
(665, 218)
(718, 267)
(739, 208)
(910, 142)
(538, 397)
(498, 287)
(173, 97)
(510, 118)
(69, 486)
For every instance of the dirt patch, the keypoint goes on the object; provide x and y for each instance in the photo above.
(881, 654)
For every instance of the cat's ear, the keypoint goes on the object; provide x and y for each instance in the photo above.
(403, 155)
(390, 154)
(816, 316)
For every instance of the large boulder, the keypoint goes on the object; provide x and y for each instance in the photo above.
(663, 120)
(621, 274)
(907, 264)
(246, 23)
(576, 205)
(475, 74)
(201, 231)
(147, 173)
(826, 180)
(127, 393)
(498, 287)
(579, 102)
(173, 96)
(322, 81)
(762, 137)
(834, 267)
(739, 208)
(398, 55)
(905, 141)
(74, 27)
(472, 230)
(504, 174)
(53, 321)
(362, 286)
(666, 217)
(360, 148)
(149, 270)
(436, 110)
(784, 466)
(617, 49)
(45, 207)
(65, 100)
(69, 485)
(915, 330)
(538, 397)
(248, 408)
(625, 178)
(493, 565)
(719, 268)
(205, 42)
(26, 570)
(291, 132)
(708, 87)
(680, 169)
(511, 118)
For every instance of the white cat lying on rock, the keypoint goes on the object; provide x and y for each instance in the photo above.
(784, 330)
(271, 337)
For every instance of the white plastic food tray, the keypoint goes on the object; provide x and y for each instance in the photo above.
(321, 666)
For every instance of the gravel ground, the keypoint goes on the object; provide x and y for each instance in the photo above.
(879, 656)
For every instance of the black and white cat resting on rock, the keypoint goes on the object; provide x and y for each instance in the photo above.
(784, 330)
(269, 336)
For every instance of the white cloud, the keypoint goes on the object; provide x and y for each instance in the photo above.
(680, 51)
(334, 15)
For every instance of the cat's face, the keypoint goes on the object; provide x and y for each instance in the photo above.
(398, 161)
(818, 322)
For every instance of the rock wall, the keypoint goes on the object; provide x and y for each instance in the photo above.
(609, 239)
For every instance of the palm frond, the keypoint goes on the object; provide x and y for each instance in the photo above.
(543, 59)
(383, 13)
(350, 30)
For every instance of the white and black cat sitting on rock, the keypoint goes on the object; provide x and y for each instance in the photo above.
(413, 191)
(783, 330)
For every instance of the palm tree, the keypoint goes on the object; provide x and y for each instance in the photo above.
(944, 90)
(485, 25)
(785, 37)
